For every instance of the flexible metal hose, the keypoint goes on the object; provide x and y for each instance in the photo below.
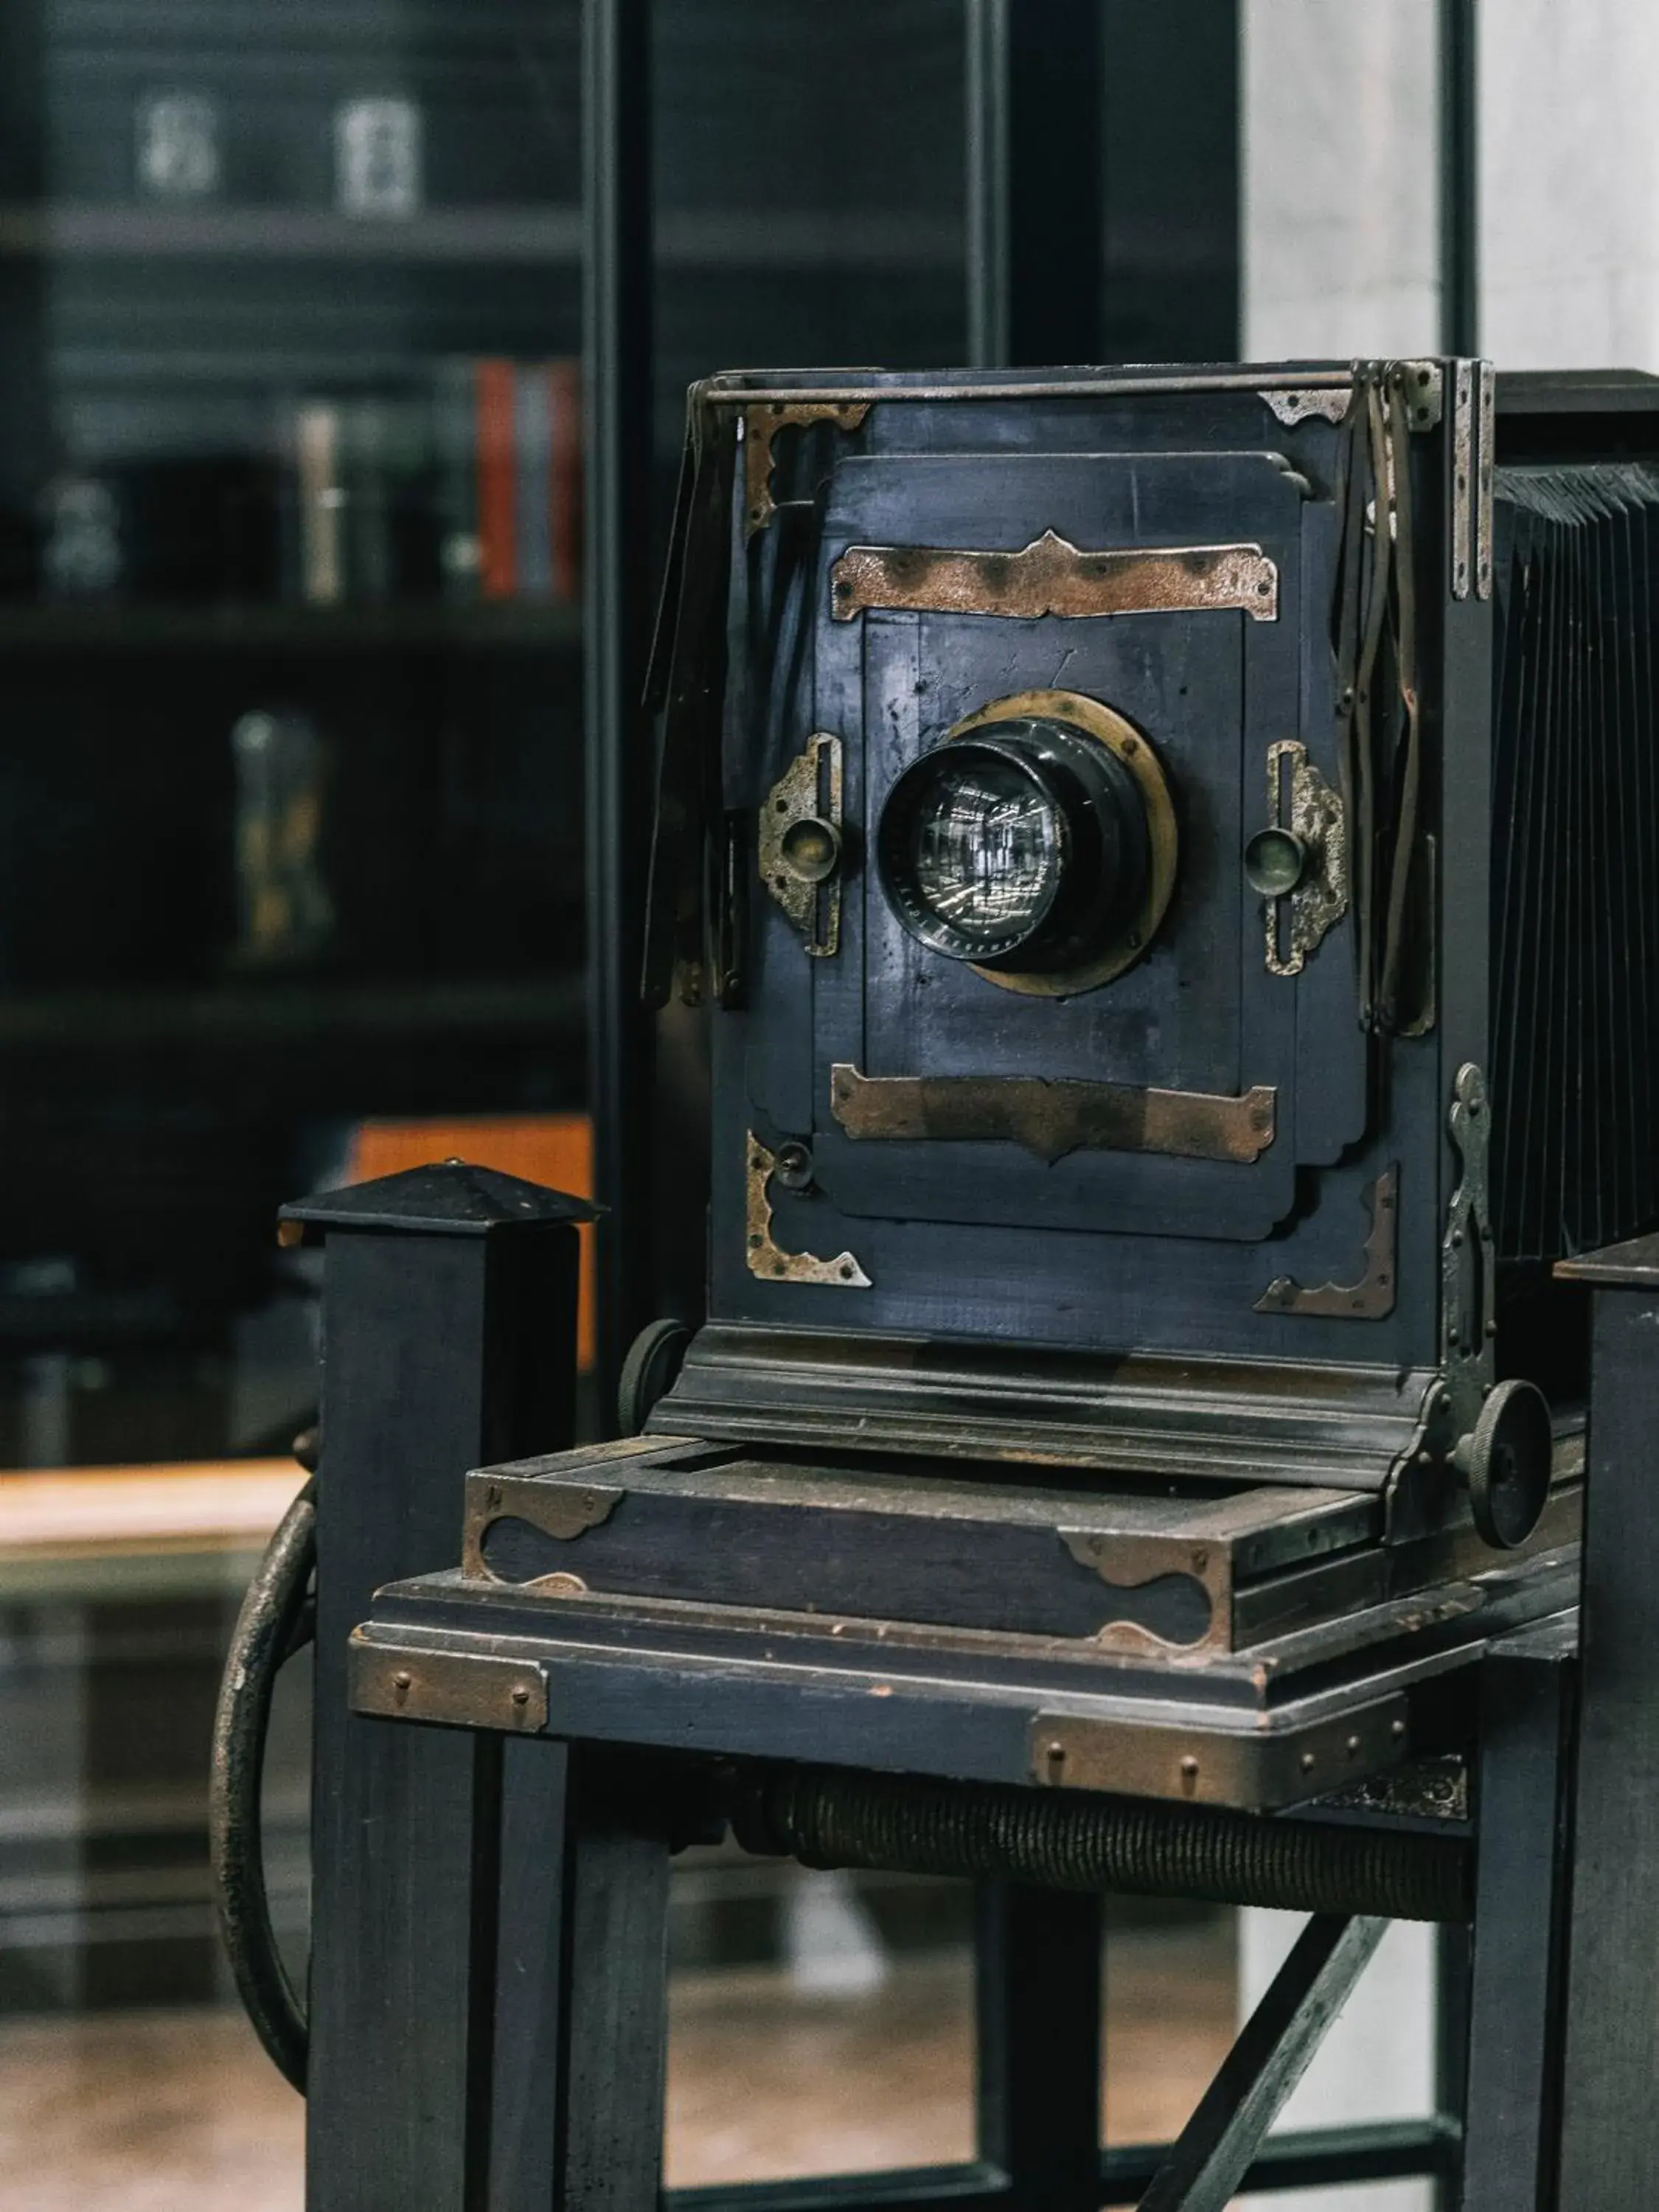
(269, 1627)
(1063, 1839)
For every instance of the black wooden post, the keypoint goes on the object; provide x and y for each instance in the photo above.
(581, 2025)
(1610, 2110)
(1039, 2018)
(617, 368)
(1511, 2095)
(449, 1341)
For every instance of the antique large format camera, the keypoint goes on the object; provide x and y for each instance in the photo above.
(1166, 852)
(1170, 859)
(1169, 856)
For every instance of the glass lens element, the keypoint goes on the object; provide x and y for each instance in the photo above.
(988, 851)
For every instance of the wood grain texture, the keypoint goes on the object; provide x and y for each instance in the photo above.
(442, 1350)
(1610, 2114)
(1512, 2089)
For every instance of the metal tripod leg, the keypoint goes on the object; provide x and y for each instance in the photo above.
(1209, 2159)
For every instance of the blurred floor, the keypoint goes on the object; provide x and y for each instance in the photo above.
(145, 2112)
(181, 2111)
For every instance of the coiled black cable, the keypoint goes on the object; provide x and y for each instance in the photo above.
(274, 1622)
(1062, 1840)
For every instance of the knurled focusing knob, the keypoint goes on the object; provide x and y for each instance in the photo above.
(1506, 1460)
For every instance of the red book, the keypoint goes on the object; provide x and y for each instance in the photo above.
(498, 576)
(564, 489)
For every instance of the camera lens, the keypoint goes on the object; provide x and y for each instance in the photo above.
(1020, 846)
(987, 851)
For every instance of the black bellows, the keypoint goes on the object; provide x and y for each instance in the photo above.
(1575, 859)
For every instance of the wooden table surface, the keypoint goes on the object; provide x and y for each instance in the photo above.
(111, 1531)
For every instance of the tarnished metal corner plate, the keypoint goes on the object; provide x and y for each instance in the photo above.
(762, 423)
(1371, 1297)
(766, 1257)
(1257, 1770)
(1435, 1787)
(1052, 576)
(1329, 402)
(1051, 1119)
(564, 1511)
(1209, 1566)
(448, 1689)
(1463, 467)
(1485, 477)
(1313, 811)
(806, 796)
(1423, 384)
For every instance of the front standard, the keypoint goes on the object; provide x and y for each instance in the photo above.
(1135, 832)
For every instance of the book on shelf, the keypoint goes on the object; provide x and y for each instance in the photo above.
(564, 380)
(510, 444)
(496, 460)
(319, 503)
(472, 488)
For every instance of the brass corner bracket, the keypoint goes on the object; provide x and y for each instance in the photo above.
(767, 1258)
(1371, 1296)
(760, 424)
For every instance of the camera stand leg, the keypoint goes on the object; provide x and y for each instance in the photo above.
(530, 1914)
(1215, 2148)
(1511, 2097)
(1610, 2114)
(581, 2016)
(1038, 1997)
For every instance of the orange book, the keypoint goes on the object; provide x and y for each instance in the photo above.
(554, 1149)
(498, 567)
(565, 486)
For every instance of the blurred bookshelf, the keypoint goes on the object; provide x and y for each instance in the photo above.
(292, 786)
(292, 778)
(160, 626)
(761, 237)
(291, 597)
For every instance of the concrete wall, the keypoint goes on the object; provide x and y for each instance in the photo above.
(1569, 183)
(1340, 179)
(1338, 140)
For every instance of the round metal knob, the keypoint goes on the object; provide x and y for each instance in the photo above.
(811, 849)
(1505, 1460)
(654, 1359)
(1275, 862)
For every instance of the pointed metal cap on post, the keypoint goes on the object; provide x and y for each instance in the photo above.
(449, 1198)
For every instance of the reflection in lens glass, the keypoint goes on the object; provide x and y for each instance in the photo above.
(987, 850)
